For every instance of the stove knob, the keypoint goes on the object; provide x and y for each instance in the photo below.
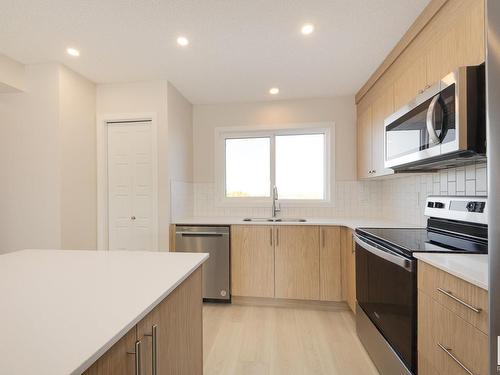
(439, 205)
(471, 206)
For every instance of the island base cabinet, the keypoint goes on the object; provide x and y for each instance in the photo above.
(170, 337)
(119, 360)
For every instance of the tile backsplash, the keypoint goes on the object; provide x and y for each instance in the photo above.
(400, 198)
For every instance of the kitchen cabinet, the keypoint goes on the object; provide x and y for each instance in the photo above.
(176, 327)
(371, 128)
(410, 83)
(382, 107)
(452, 37)
(297, 262)
(330, 283)
(252, 260)
(450, 333)
(365, 142)
(286, 261)
(348, 268)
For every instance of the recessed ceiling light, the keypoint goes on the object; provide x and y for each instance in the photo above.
(182, 41)
(274, 90)
(73, 52)
(307, 28)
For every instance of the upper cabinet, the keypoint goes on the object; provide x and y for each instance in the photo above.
(448, 34)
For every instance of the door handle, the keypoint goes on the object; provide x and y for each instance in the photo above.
(447, 293)
(430, 120)
(154, 351)
(137, 357)
(448, 351)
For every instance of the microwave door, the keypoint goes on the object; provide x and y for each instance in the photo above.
(407, 138)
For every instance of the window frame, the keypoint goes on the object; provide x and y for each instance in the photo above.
(223, 133)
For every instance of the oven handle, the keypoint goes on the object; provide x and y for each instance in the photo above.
(390, 257)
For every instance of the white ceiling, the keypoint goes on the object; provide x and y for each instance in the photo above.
(238, 50)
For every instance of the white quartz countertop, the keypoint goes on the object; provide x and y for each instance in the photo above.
(352, 223)
(61, 309)
(472, 268)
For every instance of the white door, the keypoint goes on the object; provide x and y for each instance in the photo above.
(130, 186)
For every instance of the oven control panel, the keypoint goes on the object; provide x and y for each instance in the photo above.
(471, 209)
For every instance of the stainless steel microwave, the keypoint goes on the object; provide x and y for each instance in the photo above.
(443, 126)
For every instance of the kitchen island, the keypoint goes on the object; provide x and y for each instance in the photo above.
(100, 312)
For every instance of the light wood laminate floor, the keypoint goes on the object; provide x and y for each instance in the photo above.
(258, 340)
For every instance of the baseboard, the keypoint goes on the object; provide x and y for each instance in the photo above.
(291, 303)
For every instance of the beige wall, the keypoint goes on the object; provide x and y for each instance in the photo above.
(144, 97)
(77, 101)
(47, 162)
(12, 78)
(29, 163)
(180, 136)
(340, 110)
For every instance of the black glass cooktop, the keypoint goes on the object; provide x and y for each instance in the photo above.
(421, 240)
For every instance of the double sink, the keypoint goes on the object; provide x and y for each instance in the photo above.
(274, 220)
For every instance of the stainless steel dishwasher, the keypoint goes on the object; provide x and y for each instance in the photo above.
(215, 241)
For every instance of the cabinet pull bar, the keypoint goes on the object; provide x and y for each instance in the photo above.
(137, 355)
(154, 352)
(448, 351)
(449, 294)
(277, 237)
(271, 236)
(323, 236)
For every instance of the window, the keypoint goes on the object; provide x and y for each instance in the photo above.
(295, 160)
(248, 167)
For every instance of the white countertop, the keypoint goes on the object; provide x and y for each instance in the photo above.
(61, 309)
(472, 268)
(352, 223)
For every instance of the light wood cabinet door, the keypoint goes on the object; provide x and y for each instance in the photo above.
(446, 340)
(330, 285)
(252, 260)
(297, 262)
(411, 82)
(365, 143)
(180, 329)
(382, 107)
(461, 43)
(348, 268)
(148, 333)
(118, 360)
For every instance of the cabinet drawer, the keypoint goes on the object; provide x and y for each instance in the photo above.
(448, 342)
(464, 299)
(425, 367)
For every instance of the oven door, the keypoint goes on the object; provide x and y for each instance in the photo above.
(386, 290)
(425, 127)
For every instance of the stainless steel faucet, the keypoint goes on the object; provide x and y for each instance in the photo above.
(276, 206)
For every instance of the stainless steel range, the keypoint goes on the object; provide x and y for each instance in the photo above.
(386, 275)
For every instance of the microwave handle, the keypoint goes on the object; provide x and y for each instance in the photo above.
(430, 120)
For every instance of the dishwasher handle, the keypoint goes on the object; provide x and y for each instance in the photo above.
(201, 234)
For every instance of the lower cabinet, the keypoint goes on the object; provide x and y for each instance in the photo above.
(252, 260)
(449, 342)
(169, 340)
(288, 261)
(330, 264)
(348, 248)
(297, 262)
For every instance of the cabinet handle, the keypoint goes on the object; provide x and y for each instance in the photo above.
(271, 236)
(277, 237)
(448, 351)
(137, 356)
(449, 294)
(323, 237)
(154, 352)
